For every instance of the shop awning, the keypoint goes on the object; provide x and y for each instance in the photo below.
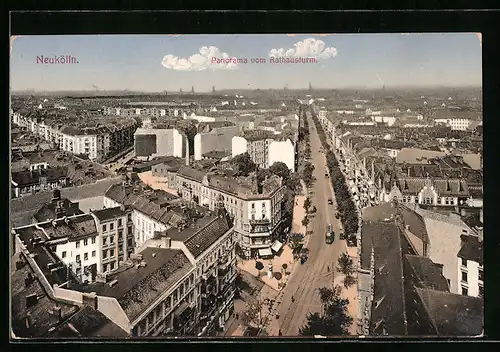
(276, 247)
(265, 252)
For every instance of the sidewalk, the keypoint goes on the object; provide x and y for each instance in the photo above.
(284, 257)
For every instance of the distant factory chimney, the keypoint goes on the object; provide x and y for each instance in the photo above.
(213, 89)
(192, 89)
(180, 91)
(310, 87)
(187, 150)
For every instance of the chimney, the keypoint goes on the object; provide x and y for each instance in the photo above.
(55, 315)
(122, 207)
(101, 277)
(31, 300)
(56, 195)
(166, 242)
(187, 151)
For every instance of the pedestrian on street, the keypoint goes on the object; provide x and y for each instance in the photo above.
(279, 333)
(328, 268)
(293, 299)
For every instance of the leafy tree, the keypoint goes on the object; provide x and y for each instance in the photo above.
(280, 169)
(259, 266)
(349, 281)
(295, 240)
(334, 319)
(307, 173)
(293, 183)
(252, 313)
(345, 264)
(307, 204)
(262, 174)
(244, 164)
(305, 221)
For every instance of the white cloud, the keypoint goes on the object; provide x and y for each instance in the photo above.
(313, 48)
(200, 61)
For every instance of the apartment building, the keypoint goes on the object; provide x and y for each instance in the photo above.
(157, 141)
(180, 282)
(264, 149)
(470, 267)
(89, 243)
(99, 139)
(27, 182)
(215, 136)
(256, 209)
(456, 124)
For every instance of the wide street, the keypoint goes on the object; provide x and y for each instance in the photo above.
(306, 279)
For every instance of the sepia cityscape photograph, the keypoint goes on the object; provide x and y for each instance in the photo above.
(254, 185)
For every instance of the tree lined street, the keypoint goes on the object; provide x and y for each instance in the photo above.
(319, 270)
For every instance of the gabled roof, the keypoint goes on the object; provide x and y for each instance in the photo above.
(472, 249)
(208, 235)
(428, 274)
(109, 213)
(137, 288)
(452, 314)
(388, 307)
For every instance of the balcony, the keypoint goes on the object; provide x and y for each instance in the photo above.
(260, 222)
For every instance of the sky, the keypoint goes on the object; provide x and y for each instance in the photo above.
(154, 63)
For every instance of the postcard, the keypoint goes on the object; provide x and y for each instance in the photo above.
(222, 186)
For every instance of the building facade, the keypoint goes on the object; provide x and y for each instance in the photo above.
(257, 216)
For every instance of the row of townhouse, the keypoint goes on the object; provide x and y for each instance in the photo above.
(180, 281)
(99, 141)
(362, 186)
(156, 112)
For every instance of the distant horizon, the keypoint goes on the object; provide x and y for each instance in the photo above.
(158, 63)
(187, 92)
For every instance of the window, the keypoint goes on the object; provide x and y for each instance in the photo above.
(447, 201)
(129, 230)
(111, 253)
(77, 244)
(464, 262)
(104, 254)
(85, 256)
(253, 205)
(464, 276)
(104, 240)
(263, 205)
(465, 291)
(64, 254)
(481, 291)
(120, 234)
(253, 216)
(129, 242)
(93, 240)
(104, 229)
(78, 258)
(111, 227)
(85, 242)
(119, 222)
(112, 266)
(120, 247)
(481, 274)
(93, 254)
(111, 239)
